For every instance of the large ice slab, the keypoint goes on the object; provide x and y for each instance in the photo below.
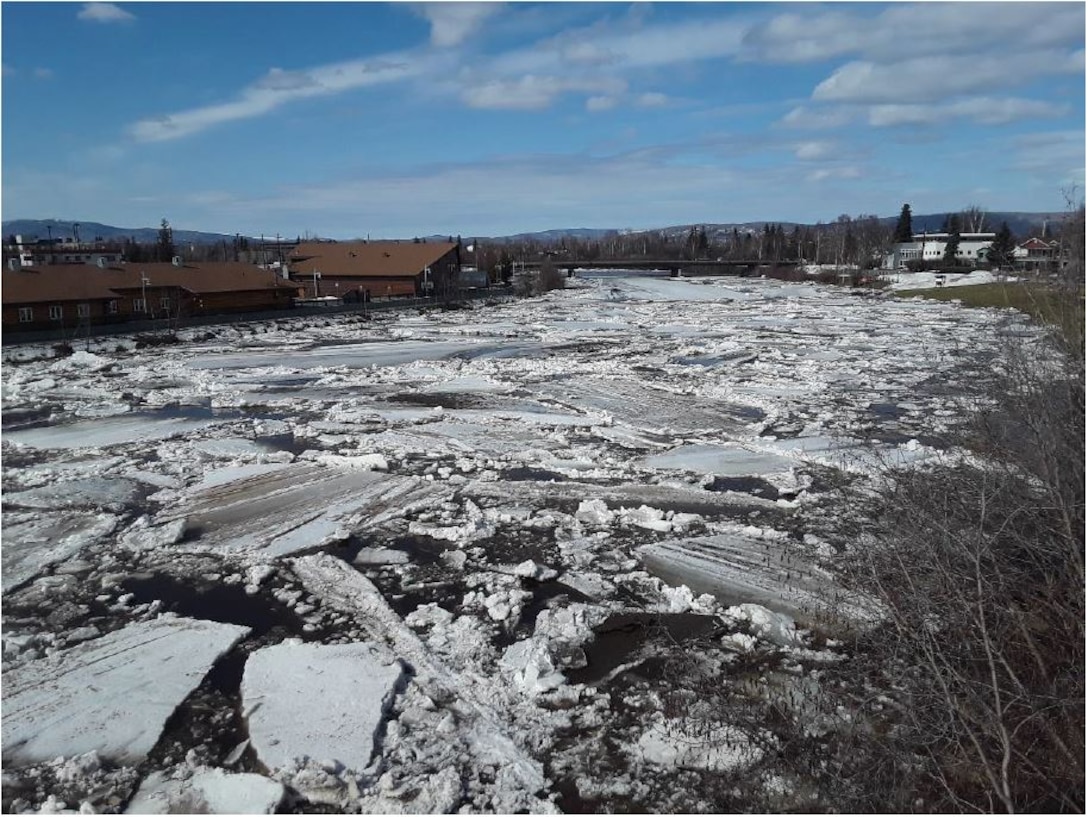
(376, 353)
(105, 433)
(737, 569)
(480, 731)
(318, 702)
(111, 695)
(287, 509)
(34, 540)
(206, 791)
(642, 406)
(726, 460)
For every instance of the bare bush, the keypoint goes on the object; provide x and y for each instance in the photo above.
(981, 570)
(548, 278)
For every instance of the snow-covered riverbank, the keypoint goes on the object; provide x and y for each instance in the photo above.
(433, 561)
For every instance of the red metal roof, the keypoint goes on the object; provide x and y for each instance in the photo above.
(82, 282)
(367, 259)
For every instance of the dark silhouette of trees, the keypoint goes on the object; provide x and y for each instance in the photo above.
(1003, 246)
(904, 231)
(165, 245)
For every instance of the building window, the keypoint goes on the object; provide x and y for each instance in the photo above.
(56, 313)
(111, 307)
(138, 305)
(83, 310)
(26, 314)
(164, 304)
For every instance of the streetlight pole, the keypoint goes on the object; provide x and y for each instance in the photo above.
(144, 281)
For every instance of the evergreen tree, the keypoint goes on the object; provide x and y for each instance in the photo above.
(904, 231)
(1002, 248)
(952, 245)
(165, 245)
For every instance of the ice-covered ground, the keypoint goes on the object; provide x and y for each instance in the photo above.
(430, 561)
(934, 278)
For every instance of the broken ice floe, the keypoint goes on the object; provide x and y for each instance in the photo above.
(318, 703)
(33, 541)
(737, 568)
(297, 507)
(205, 791)
(112, 694)
(104, 433)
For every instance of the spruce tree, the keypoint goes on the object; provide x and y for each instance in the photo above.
(1003, 246)
(904, 231)
(165, 246)
(951, 246)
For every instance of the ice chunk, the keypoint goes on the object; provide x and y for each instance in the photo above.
(111, 695)
(33, 541)
(295, 507)
(730, 460)
(743, 567)
(230, 448)
(380, 556)
(531, 570)
(774, 627)
(90, 492)
(594, 512)
(206, 791)
(691, 745)
(105, 433)
(318, 702)
(531, 665)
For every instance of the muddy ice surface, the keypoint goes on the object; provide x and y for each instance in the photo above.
(537, 556)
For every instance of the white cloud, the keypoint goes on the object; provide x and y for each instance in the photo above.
(454, 22)
(811, 151)
(1056, 156)
(849, 172)
(104, 13)
(275, 89)
(601, 103)
(820, 118)
(984, 110)
(43, 73)
(533, 92)
(653, 99)
(8, 71)
(928, 79)
(905, 30)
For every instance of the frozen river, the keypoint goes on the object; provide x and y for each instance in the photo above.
(412, 563)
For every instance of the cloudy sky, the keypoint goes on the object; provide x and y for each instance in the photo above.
(402, 119)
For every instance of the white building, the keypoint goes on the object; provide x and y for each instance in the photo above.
(929, 248)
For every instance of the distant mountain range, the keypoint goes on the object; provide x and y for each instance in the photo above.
(1022, 225)
(30, 229)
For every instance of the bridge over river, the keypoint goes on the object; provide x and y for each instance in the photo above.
(673, 266)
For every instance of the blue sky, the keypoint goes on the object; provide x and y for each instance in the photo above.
(403, 119)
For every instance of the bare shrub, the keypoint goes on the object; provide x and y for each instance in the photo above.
(980, 567)
(548, 278)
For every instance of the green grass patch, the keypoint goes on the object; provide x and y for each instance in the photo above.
(1053, 306)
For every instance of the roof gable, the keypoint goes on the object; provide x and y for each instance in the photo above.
(366, 259)
(84, 282)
